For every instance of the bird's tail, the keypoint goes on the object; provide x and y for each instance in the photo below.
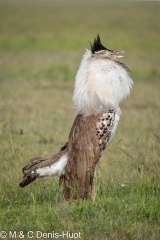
(41, 167)
(28, 178)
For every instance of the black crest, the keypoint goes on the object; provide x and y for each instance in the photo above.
(97, 45)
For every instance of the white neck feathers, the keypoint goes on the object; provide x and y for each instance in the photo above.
(100, 83)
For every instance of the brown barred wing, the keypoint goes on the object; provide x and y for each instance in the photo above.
(88, 138)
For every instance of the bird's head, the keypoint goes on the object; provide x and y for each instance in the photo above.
(99, 51)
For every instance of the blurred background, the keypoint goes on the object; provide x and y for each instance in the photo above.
(41, 46)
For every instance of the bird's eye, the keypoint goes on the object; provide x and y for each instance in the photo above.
(101, 53)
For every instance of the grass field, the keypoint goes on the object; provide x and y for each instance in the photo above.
(41, 45)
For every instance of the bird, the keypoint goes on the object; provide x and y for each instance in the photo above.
(101, 83)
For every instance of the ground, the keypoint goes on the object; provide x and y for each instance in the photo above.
(41, 45)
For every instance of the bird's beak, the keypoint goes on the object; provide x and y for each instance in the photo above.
(117, 52)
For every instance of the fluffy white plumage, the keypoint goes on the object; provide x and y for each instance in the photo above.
(100, 82)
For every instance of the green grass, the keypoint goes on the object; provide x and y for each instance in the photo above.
(41, 45)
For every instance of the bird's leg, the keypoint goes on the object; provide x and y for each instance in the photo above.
(93, 190)
(93, 186)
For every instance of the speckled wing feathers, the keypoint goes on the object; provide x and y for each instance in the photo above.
(104, 127)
